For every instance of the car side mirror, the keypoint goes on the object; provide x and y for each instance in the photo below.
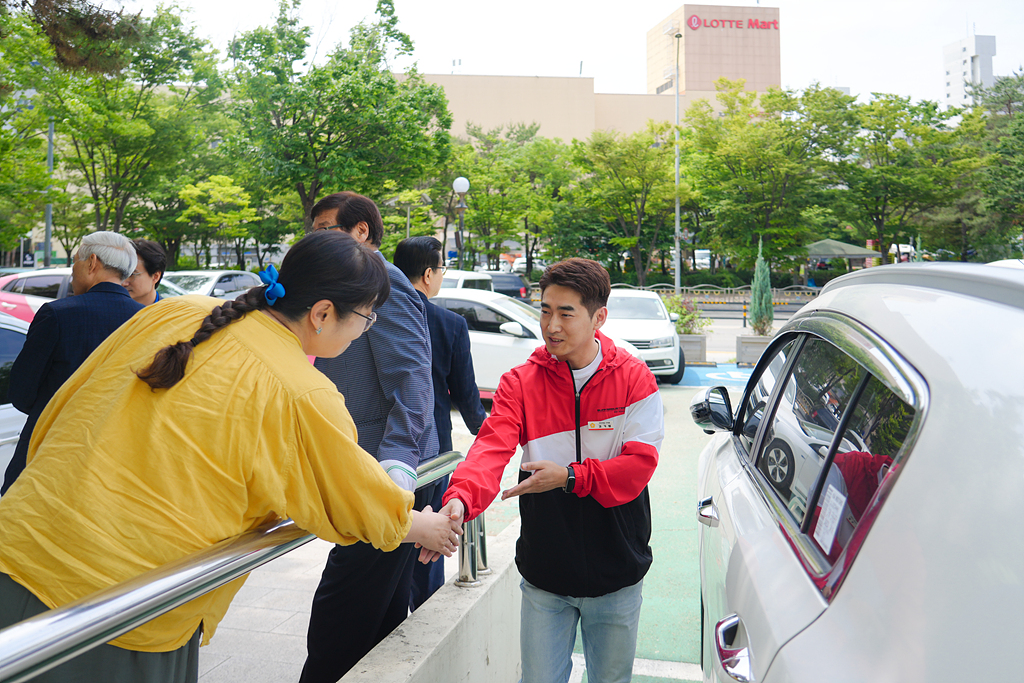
(711, 410)
(218, 292)
(512, 328)
(674, 317)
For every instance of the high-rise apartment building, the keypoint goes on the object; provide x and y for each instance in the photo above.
(714, 41)
(968, 61)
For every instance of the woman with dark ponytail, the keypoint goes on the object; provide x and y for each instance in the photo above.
(195, 421)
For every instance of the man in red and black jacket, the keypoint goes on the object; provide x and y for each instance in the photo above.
(589, 419)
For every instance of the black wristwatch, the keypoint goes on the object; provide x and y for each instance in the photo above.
(570, 481)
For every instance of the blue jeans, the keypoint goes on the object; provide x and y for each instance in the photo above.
(548, 634)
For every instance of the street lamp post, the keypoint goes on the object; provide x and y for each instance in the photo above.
(49, 206)
(461, 187)
(679, 254)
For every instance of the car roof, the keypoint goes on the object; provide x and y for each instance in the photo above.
(1009, 263)
(479, 295)
(63, 270)
(636, 293)
(466, 274)
(210, 273)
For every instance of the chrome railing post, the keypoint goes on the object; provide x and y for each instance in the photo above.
(481, 546)
(467, 555)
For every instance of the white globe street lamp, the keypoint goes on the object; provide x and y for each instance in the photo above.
(461, 187)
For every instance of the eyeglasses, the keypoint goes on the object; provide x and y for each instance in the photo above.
(443, 269)
(370, 319)
(329, 227)
(133, 276)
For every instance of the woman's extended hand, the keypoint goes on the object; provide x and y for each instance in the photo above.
(434, 531)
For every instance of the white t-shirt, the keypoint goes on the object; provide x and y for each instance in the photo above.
(581, 376)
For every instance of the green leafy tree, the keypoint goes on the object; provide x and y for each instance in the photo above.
(125, 130)
(217, 209)
(23, 126)
(627, 180)
(1004, 181)
(347, 124)
(761, 313)
(761, 165)
(905, 160)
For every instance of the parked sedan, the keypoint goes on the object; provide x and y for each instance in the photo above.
(503, 332)
(222, 284)
(22, 294)
(12, 338)
(641, 318)
(895, 398)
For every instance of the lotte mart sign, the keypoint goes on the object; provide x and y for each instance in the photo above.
(696, 22)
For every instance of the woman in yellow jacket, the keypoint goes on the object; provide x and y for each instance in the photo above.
(195, 421)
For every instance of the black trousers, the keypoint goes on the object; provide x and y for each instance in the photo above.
(363, 595)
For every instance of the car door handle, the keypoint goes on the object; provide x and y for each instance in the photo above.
(707, 513)
(7, 305)
(731, 648)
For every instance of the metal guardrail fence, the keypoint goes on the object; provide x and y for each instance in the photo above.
(49, 639)
(713, 294)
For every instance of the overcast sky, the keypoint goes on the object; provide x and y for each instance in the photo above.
(871, 45)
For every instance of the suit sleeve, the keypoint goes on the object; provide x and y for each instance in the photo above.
(400, 344)
(462, 381)
(35, 359)
(621, 479)
(477, 480)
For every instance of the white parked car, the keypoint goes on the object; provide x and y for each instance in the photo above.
(503, 332)
(12, 338)
(466, 279)
(222, 284)
(891, 548)
(641, 318)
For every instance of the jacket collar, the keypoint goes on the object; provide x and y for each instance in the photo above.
(611, 355)
(110, 288)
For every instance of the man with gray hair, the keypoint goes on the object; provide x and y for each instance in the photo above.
(64, 332)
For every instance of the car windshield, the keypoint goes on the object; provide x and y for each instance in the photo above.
(190, 283)
(516, 306)
(635, 308)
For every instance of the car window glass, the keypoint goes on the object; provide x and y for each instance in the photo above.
(635, 308)
(247, 280)
(190, 283)
(42, 285)
(11, 342)
(753, 411)
(806, 417)
(510, 305)
(449, 284)
(868, 451)
(477, 284)
(479, 317)
(14, 285)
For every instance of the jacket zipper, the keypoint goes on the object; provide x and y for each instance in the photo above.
(579, 446)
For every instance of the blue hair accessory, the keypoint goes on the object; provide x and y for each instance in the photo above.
(274, 290)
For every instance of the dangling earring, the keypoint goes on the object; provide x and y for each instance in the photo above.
(319, 330)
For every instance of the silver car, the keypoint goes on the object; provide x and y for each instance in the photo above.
(860, 508)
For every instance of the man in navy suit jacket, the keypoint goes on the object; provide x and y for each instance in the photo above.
(452, 372)
(64, 332)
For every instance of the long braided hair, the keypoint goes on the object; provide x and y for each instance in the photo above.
(326, 264)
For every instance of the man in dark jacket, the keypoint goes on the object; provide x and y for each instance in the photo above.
(452, 373)
(589, 420)
(64, 332)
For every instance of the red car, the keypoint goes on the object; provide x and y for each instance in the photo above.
(22, 294)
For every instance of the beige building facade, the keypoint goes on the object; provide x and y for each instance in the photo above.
(565, 108)
(714, 41)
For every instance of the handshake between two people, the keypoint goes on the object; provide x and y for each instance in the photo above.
(545, 476)
(435, 533)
